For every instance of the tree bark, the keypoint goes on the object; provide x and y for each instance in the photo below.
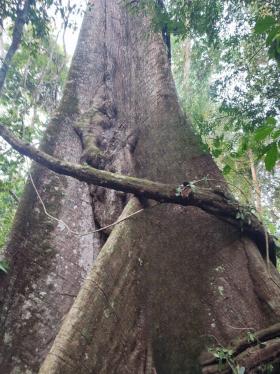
(47, 263)
(166, 279)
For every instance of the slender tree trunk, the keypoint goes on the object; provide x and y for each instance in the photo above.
(21, 19)
(2, 52)
(166, 280)
(187, 47)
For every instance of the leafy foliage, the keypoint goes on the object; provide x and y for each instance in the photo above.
(40, 15)
(269, 26)
(32, 91)
(225, 357)
(244, 37)
(231, 93)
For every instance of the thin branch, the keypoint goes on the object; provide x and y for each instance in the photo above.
(241, 328)
(14, 196)
(211, 202)
(255, 53)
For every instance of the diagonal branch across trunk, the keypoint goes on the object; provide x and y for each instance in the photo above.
(208, 200)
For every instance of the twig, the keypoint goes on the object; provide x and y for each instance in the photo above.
(14, 196)
(255, 53)
(241, 328)
(212, 336)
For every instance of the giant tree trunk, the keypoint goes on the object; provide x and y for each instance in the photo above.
(166, 279)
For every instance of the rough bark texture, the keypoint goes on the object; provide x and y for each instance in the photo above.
(162, 282)
(165, 279)
(48, 263)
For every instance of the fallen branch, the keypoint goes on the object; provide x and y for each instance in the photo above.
(214, 203)
(264, 349)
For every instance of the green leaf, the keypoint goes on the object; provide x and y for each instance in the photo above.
(251, 337)
(262, 133)
(226, 169)
(271, 121)
(276, 134)
(263, 24)
(4, 266)
(271, 35)
(178, 191)
(216, 152)
(241, 370)
(271, 156)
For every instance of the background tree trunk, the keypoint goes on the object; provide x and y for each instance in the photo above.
(20, 21)
(2, 51)
(165, 280)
